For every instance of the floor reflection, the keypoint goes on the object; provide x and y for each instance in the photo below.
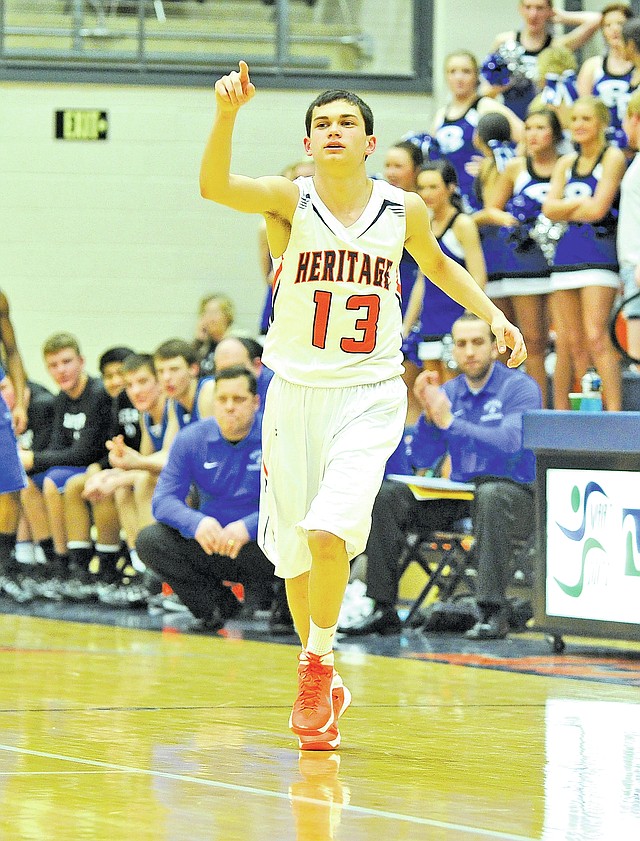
(317, 799)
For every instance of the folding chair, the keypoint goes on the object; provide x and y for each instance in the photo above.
(446, 557)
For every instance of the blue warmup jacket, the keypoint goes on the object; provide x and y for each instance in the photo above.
(226, 475)
(485, 438)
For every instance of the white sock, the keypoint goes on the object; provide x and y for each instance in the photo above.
(320, 639)
(25, 552)
(108, 547)
(38, 554)
(136, 563)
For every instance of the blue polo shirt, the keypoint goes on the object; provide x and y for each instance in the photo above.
(226, 475)
(485, 437)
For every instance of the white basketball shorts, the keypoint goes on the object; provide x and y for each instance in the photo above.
(324, 453)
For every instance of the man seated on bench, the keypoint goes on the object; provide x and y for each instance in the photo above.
(477, 419)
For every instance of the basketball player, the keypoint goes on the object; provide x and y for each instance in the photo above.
(336, 406)
(12, 476)
(13, 363)
(12, 422)
(12, 479)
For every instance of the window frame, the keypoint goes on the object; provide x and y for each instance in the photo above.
(43, 67)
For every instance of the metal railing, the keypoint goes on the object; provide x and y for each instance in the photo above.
(290, 42)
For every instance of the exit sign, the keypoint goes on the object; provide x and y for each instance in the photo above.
(81, 124)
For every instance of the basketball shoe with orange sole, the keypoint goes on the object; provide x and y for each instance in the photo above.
(341, 698)
(312, 713)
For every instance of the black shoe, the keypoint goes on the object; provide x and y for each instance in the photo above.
(228, 606)
(383, 620)
(280, 621)
(211, 625)
(79, 585)
(493, 627)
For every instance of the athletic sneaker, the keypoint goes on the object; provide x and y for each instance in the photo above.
(312, 712)
(341, 698)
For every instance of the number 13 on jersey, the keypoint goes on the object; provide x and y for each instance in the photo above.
(367, 322)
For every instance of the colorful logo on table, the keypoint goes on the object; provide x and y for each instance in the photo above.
(599, 515)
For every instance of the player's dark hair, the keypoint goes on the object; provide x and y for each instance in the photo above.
(177, 347)
(450, 178)
(114, 354)
(339, 95)
(136, 361)
(236, 371)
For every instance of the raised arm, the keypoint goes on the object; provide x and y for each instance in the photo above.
(584, 82)
(585, 24)
(456, 281)
(268, 195)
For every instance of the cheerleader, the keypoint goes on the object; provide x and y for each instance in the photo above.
(514, 208)
(536, 35)
(584, 194)
(455, 124)
(609, 76)
(430, 312)
(401, 167)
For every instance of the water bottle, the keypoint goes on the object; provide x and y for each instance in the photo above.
(591, 397)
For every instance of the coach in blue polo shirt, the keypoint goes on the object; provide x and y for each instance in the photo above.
(477, 419)
(196, 549)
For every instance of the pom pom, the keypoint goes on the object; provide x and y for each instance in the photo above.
(495, 70)
(547, 234)
(559, 88)
(427, 144)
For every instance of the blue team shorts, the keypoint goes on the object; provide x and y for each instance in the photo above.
(12, 475)
(58, 475)
(627, 273)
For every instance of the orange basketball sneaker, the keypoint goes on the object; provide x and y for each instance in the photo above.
(341, 698)
(312, 713)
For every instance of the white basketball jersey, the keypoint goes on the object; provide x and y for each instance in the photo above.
(336, 293)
